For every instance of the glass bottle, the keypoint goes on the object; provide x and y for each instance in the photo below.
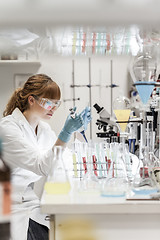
(58, 181)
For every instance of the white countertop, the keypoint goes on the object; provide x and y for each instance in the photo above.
(95, 204)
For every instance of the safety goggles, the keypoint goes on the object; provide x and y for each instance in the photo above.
(48, 104)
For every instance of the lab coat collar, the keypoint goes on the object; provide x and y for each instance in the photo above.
(18, 115)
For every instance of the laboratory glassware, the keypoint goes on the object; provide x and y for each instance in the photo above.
(76, 165)
(105, 158)
(116, 183)
(58, 180)
(121, 109)
(79, 154)
(146, 152)
(128, 163)
(89, 182)
(144, 72)
(155, 169)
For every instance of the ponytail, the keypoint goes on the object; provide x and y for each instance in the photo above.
(16, 101)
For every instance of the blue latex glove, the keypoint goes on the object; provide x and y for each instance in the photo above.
(71, 125)
(86, 116)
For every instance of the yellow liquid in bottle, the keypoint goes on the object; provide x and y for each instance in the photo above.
(122, 115)
(57, 188)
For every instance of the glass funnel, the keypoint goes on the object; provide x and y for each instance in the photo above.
(121, 108)
(58, 181)
(144, 72)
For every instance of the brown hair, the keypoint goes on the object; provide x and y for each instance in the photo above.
(39, 85)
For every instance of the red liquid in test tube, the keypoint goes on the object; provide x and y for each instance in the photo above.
(94, 164)
(84, 164)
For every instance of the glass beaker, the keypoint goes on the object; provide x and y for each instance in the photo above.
(58, 181)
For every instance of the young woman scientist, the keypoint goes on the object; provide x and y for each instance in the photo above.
(28, 144)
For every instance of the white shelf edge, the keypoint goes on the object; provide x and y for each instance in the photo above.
(5, 62)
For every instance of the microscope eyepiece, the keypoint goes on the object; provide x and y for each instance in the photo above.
(97, 107)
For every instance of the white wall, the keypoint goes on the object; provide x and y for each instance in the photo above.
(60, 69)
(8, 71)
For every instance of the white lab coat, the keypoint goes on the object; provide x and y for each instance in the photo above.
(30, 157)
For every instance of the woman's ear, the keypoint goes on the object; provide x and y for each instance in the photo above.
(31, 100)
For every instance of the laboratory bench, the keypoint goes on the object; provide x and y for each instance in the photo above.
(101, 218)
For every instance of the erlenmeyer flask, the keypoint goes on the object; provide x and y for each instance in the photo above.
(58, 181)
(143, 182)
(116, 183)
(155, 170)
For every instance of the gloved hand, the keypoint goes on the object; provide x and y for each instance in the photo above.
(71, 125)
(86, 115)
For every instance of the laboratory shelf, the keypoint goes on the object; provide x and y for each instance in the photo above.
(18, 62)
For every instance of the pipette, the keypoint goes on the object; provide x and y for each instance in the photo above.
(81, 130)
(84, 136)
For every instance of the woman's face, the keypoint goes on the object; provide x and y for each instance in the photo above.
(43, 107)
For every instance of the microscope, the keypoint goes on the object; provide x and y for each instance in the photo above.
(108, 125)
(110, 131)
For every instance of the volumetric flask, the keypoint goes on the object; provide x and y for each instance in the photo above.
(58, 181)
(143, 178)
